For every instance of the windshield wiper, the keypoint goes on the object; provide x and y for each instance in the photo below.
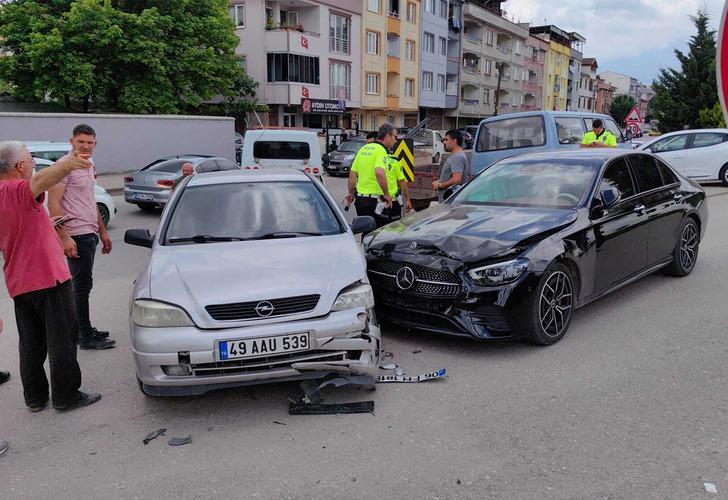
(205, 238)
(284, 234)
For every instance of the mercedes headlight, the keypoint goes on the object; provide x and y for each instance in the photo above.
(500, 273)
(355, 296)
(150, 313)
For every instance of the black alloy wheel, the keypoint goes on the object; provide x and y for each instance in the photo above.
(723, 175)
(552, 306)
(685, 254)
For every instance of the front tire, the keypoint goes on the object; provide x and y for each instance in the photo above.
(685, 254)
(551, 307)
(436, 159)
(723, 175)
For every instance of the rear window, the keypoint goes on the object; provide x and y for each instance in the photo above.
(646, 171)
(511, 133)
(569, 129)
(281, 150)
(50, 155)
(169, 166)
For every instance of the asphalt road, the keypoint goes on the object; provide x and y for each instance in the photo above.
(631, 404)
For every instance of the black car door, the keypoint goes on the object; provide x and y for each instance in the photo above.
(662, 196)
(620, 231)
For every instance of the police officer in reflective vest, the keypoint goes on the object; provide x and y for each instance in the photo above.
(368, 184)
(599, 137)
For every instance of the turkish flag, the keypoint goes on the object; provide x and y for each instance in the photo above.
(305, 92)
(304, 42)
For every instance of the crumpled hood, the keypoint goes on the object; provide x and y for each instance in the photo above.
(469, 233)
(194, 276)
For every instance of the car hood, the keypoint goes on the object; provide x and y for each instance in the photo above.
(469, 233)
(197, 275)
(340, 155)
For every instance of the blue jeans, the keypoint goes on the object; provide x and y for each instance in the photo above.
(83, 279)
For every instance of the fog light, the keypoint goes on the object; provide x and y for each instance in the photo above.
(177, 370)
(362, 316)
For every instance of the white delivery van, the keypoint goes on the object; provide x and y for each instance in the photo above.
(282, 148)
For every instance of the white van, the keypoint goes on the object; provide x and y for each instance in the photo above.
(282, 148)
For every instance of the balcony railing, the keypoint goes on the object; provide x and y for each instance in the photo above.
(334, 91)
(473, 38)
(505, 50)
(473, 70)
(339, 45)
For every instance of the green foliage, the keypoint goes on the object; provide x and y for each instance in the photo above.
(681, 95)
(712, 117)
(137, 56)
(621, 105)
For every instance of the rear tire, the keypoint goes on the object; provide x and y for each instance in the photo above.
(685, 254)
(551, 307)
(723, 175)
(147, 207)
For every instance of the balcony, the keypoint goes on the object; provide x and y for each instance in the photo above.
(294, 42)
(393, 64)
(470, 106)
(394, 24)
(392, 102)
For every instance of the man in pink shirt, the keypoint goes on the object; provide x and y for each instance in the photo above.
(74, 196)
(38, 280)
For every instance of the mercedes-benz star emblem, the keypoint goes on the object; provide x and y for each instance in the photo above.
(264, 308)
(413, 245)
(405, 278)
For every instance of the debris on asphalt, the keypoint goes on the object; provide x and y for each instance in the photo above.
(279, 423)
(417, 351)
(398, 371)
(710, 488)
(154, 435)
(331, 409)
(389, 366)
(385, 379)
(388, 354)
(179, 441)
(311, 392)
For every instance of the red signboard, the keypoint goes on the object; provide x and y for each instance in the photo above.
(722, 62)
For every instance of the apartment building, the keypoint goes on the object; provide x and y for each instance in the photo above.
(605, 95)
(534, 61)
(492, 64)
(575, 59)
(301, 50)
(586, 100)
(433, 60)
(390, 40)
(556, 79)
(454, 54)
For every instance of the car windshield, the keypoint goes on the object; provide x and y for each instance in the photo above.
(169, 166)
(537, 183)
(251, 211)
(351, 146)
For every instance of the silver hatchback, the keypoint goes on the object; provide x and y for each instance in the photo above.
(254, 276)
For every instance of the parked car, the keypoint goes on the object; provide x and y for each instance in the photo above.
(47, 153)
(515, 251)
(534, 131)
(700, 154)
(282, 148)
(253, 277)
(151, 186)
(339, 161)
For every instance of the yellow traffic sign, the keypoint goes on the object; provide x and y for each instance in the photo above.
(403, 152)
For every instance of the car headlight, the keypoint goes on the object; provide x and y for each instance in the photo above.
(349, 157)
(500, 273)
(355, 296)
(151, 313)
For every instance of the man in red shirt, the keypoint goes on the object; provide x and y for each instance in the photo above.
(38, 280)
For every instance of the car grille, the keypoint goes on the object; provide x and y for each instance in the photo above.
(428, 281)
(247, 310)
(237, 366)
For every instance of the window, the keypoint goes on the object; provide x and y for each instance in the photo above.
(510, 133)
(372, 84)
(430, 6)
(277, 150)
(486, 96)
(569, 130)
(409, 87)
(410, 50)
(339, 34)
(289, 18)
(339, 80)
(441, 83)
(609, 125)
(427, 81)
(517, 46)
(443, 9)
(372, 42)
(411, 13)
(708, 139)
(237, 13)
(443, 46)
(428, 42)
(373, 5)
(373, 122)
(674, 143)
(668, 177)
(488, 66)
(489, 37)
(390, 120)
(646, 171)
(293, 68)
(617, 176)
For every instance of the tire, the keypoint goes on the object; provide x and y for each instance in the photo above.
(723, 175)
(685, 254)
(147, 207)
(551, 307)
(105, 216)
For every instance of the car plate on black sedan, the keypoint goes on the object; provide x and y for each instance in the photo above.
(265, 346)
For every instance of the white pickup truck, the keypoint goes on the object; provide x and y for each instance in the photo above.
(282, 148)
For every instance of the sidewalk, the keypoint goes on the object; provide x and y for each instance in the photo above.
(112, 183)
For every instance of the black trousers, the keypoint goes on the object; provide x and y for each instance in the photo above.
(47, 327)
(82, 272)
(366, 206)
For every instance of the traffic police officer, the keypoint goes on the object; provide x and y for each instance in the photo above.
(397, 185)
(368, 177)
(599, 137)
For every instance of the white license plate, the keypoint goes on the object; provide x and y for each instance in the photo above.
(266, 346)
(142, 196)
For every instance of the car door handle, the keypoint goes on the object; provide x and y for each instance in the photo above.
(639, 209)
(678, 197)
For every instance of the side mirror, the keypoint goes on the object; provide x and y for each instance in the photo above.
(610, 196)
(139, 237)
(628, 135)
(363, 224)
(451, 191)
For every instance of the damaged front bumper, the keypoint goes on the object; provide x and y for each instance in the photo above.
(185, 361)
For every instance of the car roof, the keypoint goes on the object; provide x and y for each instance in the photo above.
(520, 114)
(232, 176)
(692, 131)
(595, 157)
(47, 146)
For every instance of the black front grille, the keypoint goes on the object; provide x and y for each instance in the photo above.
(428, 281)
(247, 310)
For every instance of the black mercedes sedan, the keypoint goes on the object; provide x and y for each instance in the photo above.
(516, 250)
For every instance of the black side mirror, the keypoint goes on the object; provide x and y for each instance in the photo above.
(450, 191)
(139, 237)
(610, 196)
(363, 224)
(628, 135)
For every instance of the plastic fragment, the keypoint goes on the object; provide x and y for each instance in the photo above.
(154, 435)
(279, 423)
(398, 371)
(389, 366)
(385, 379)
(710, 488)
(417, 351)
(331, 409)
(179, 441)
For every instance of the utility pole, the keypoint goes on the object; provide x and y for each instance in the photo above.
(499, 68)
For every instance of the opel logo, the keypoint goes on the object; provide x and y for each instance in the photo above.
(264, 308)
(405, 278)
(413, 245)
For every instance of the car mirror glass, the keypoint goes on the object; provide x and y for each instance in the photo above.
(139, 237)
(610, 196)
(363, 224)
(450, 191)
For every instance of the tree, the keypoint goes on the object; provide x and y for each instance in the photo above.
(680, 95)
(141, 56)
(621, 105)
(712, 117)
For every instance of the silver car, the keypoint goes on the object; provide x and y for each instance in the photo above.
(254, 276)
(341, 159)
(151, 186)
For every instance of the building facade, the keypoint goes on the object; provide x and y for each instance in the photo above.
(433, 60)
(534, 61)
(297, 49)
(575, 60)
(587, 85)
(605, 95)
(556, 78)
(454, 54)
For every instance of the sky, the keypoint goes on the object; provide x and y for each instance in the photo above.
(634, 37)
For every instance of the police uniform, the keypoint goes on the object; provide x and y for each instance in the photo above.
(606, 137)
(394, 175)
(368, 192)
